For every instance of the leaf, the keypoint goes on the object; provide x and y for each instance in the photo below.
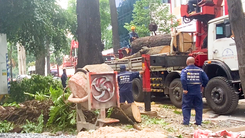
(146, 11)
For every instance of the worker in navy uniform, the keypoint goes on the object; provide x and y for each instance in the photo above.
(125, 79)
(64, 78)
(190, 6)
(133, 35)
(193, 80)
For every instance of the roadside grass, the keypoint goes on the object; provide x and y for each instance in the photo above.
(171, 129)
(180, 136)
(128, 127)
(153, 120)
(5, 126)
(167, 106)
(177, 112)
(206, 122)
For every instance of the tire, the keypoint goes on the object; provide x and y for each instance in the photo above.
(221, 96)
(137, 90)
(176, 92)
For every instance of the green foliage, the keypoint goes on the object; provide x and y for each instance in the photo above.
(147, 11)
(31, 127)
(177, 112)
(149, 120)
(107, 38)
(167, 106)
(37, 96)
(31, 64)
(5, 126)
(105, 21)
(129, 126)
(171, 129)
(72, 18)
(180, 136)
(206, 122)
(109, 111)
(11, 104)
(36, 87)
(61, 114)
(97, 111)
(34, 24)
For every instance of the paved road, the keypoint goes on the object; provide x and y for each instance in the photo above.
(238, 114)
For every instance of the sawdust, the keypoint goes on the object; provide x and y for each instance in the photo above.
(114, 132)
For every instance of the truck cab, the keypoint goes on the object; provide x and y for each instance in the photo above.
(221, 46)
(223, 90)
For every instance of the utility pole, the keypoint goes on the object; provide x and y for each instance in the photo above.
(114, 24)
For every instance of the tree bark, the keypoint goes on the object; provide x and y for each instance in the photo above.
(149, 51)
(114, 24)
(11, 62)
(237, 21)
(40, 63)
(150, 41)
(89, 33)
(48, 58)
(21, 59)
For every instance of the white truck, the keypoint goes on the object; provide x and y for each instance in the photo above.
(221, 65)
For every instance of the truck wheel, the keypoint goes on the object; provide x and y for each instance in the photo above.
(221, 96)
(137, 90)
(175, 93)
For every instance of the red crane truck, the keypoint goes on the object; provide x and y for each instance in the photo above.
(214, 51)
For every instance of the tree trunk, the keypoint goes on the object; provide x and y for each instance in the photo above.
(40, 63)
(11, 62)
(132, 111)
(89, 33)
(114, 24)
(237, 21)
(21, 59)
(149, 51)
(48, 58)
(150, 41)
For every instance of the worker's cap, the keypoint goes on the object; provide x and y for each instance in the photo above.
(132, 27)
(122, 67)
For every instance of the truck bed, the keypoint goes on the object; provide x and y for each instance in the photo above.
(157, 63)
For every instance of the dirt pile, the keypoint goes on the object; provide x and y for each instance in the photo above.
(114, 132)
(28, 110)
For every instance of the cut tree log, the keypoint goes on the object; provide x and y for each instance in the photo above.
(149, 51)
(150, 41)
(130, 110)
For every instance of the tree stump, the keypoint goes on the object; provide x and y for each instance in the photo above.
(131, 110)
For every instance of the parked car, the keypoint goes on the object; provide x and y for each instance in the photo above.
(21, 77)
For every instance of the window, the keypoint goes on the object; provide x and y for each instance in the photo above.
(220, 31)
(165, 1)
(74, 52)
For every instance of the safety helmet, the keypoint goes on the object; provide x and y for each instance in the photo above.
(133, 28)
(122, 67)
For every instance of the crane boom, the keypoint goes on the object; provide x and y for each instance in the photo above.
(205, 11)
